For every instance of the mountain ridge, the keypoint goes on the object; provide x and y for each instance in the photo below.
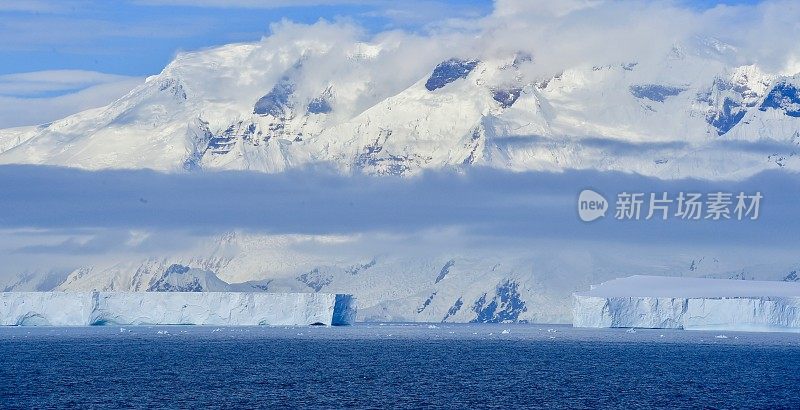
(271, 107)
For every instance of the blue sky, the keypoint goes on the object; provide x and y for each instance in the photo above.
(139, 37)
(60, 57)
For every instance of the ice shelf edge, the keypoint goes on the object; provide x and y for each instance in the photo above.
(175, 308)
(722, 313)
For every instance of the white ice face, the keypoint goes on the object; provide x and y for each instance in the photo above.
(174, 308)
(690, 303)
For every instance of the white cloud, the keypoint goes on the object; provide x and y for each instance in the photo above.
(22, 103)
(269, 4)
(68, 217)
(512, 8)
(37, 6)
(558, 34)
(579, 32)
(53, 81)
(72, 35)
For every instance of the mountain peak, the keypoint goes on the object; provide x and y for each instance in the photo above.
(272, 106)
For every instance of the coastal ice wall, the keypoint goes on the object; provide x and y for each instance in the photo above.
(174, 308)
(695, 304)
(687, 313)
(743, 314)
(45, 308)
(644, 312)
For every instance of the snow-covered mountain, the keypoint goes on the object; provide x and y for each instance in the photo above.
(399, 105)
(448, 286)
(364, 107)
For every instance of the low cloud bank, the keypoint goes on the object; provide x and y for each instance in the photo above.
(482, 202)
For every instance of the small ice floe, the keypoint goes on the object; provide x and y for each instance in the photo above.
(123, 330)
(433, 327)
(162, 332)
(720, 337)
(631, 330)
(216, 330)
(505, 331)
(660, 335)
(552, 331)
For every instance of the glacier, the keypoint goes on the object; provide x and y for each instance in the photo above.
(175, 308)
(689, 303)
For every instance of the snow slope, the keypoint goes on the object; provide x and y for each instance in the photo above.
(278, 104)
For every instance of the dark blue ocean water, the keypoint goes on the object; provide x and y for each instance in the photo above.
(396, 366)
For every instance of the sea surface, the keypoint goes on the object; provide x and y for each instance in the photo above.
(396, 366)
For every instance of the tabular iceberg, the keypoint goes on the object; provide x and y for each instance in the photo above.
(689, 303)
(174, 308)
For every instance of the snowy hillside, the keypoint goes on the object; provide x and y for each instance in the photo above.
(286, 103)
(450, 286)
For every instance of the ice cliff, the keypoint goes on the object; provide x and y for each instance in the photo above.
(689, 303)
(174, 308)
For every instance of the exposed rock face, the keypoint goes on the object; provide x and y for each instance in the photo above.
(449, 71)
